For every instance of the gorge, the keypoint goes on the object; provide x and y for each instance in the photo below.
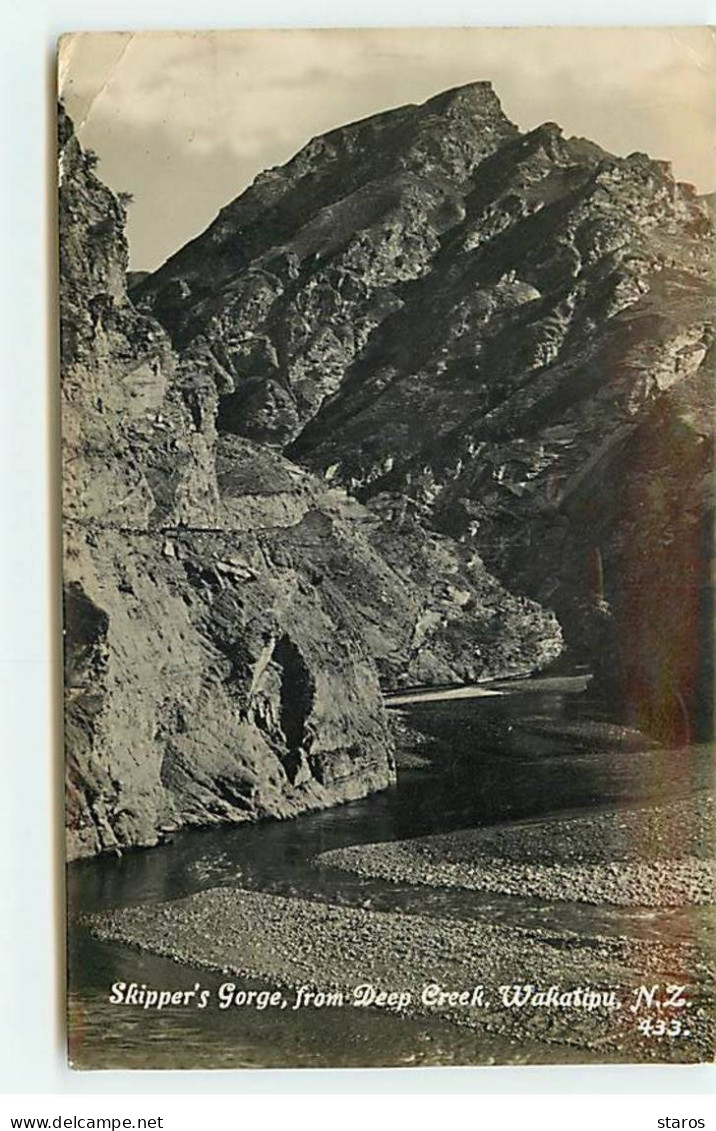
(430, 404)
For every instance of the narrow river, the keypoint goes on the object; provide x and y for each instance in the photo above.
(520, 756)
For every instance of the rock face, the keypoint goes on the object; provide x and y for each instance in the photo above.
(229, 615)
(408, 394)
(504, 340)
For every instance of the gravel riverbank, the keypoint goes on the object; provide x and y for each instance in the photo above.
(651, 856)
(287, 942)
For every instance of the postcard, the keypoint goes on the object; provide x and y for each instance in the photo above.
(387, 383)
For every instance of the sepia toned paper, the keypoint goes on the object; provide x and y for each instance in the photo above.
(387, 410)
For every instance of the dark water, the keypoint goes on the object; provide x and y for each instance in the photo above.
(526, 755)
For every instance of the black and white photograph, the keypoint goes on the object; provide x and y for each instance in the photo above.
(386, 367)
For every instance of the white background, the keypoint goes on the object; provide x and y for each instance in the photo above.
(31, 938)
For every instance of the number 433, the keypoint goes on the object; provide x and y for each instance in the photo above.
(658, 1027)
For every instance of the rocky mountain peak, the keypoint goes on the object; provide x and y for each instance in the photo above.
(471, 107)
(230, 616)
(432, 308)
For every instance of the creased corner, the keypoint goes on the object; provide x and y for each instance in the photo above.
(67, 49)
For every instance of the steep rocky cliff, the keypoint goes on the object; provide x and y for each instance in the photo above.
(503, 339)
(228, 614)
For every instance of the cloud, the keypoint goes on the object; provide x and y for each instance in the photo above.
(186, 120)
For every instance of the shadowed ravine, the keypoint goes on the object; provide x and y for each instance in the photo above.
(429, 408)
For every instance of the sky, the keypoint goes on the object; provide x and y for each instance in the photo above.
(185, 120)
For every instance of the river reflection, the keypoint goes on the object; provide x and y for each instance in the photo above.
(494, 759)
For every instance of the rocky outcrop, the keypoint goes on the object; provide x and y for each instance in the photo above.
(506, 338)
(228, 614)
(208, 675)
